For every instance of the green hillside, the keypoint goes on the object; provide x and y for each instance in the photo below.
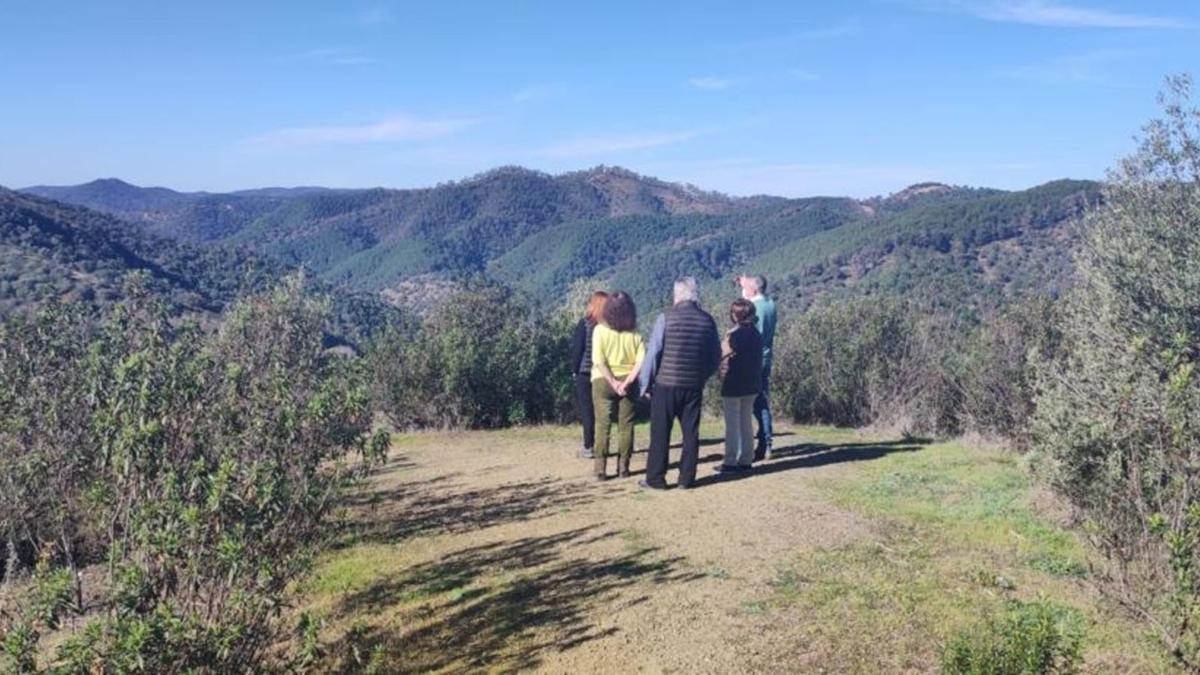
(952, 247)
(55, 251)
(51, 251)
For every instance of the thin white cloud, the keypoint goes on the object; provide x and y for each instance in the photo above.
(595, 146)
(803, 75)
(394, 129)
(709, 83)
(1058, 14)
(784, 45)
(332, 56)
(1086, 68)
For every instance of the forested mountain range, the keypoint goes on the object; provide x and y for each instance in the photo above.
(51, 251)
(953, 247)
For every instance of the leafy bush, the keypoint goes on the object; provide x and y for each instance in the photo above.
(482, 359)
(886, 361)
(1028, 639)
(994, 368)
(199, 467)
(1119, 419)
(863, 362)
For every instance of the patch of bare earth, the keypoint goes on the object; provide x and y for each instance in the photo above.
(500, 552)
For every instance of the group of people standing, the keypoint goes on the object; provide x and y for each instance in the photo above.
(614, 368)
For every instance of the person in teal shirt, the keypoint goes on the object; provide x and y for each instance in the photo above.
(754, 289)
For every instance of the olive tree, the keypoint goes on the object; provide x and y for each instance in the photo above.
(196, 469)
(1118, 419)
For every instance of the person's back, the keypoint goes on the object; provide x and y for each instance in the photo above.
(620, 350)
(744, 374)
(685, 351)
(741, 386)
(691, 347)
(617, 354)
(764, 308)
(754, 289)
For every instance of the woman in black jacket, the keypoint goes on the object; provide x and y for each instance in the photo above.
(741, 367)
(581, 369)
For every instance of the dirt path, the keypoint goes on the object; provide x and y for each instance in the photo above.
(497, 551)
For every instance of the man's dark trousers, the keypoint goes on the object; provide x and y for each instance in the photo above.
(587, 409)
(666, 405)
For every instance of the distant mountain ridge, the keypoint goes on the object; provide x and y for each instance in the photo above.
(55, 252)
(541, 233)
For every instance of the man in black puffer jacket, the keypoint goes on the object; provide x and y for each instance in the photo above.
(684, 352)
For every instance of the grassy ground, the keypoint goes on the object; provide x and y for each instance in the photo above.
(846, 553)
(958, 537)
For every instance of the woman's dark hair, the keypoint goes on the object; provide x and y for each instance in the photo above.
(620, 314)
(742, 312)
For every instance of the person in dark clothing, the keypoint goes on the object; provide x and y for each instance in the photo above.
(684, 352)
(741, 366)
(580, 359)
(754, 289)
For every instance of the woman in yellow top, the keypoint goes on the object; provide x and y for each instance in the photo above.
(617, 353)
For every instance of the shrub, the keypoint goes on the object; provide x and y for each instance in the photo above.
(199, 467)
(480, 360)
(886, 361)
(1119, 417)
(1028, 639)
(862, 362)
(994, 368)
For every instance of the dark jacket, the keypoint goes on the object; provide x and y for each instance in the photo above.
(580, 355)
(744, 374)
(691, 348)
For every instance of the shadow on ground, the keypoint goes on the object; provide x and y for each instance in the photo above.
(500, 606)
(811, 455)
(389, 509)
(387, 514)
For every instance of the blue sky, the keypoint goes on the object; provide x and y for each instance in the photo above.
(790, 98)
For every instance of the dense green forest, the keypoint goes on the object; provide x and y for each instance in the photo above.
(954, 247)
(54, 252)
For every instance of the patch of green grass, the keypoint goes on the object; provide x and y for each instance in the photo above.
(636, 541)
(350, 570)
(1057, 565)
(716, 572)
(956, 536)
(971, 497)
(754, 607)
(1034, 637)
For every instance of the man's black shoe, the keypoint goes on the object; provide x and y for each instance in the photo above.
(726, 468)
(686, 486)
(650, 486)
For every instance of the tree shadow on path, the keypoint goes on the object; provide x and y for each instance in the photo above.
(505, 605)
(439, 505)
